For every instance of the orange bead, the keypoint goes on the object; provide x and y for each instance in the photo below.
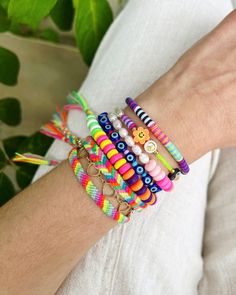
(128, 174)
(153, 200)
(145, 195)
(137, 185)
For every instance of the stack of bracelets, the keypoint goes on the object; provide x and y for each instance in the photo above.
(118, 154)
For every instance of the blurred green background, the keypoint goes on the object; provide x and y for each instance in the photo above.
(46, 48)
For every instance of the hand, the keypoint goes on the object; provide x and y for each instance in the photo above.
(195, 102)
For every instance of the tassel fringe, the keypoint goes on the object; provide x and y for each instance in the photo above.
(34, 159)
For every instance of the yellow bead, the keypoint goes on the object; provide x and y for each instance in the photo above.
(119, 163)
(111, 153)
(105, 143)
(98, 134)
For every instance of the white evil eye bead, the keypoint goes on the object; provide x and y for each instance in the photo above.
(137, 150)
(129, 140)
(112, 117)
(150, 146)
(123, 132)
(119, 112)
(117, 124)
(143, 158)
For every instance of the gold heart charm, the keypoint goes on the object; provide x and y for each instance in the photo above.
(92, 170)
(108, 190)
(124, 208)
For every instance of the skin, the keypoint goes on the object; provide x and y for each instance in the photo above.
(47, 228)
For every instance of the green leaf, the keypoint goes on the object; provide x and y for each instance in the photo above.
(92, 20)
(62, 14)
(7, 190)
(49, 35)
(4, 3)
(29, 12)
(25, 174)
(10, 111)
(75, 3)
(35, 144)
(9, 67)
(11, 144)
(3, 159)
(4, 21)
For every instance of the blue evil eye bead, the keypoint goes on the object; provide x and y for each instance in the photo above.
(154, 188)
(147, 179)
(108, 128)
(130, 157)
(121, 146)
(103, 118)
(139, 169)
(115, 137)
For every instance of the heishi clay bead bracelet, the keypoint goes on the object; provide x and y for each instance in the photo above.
(141, 136)
(92, 190)
(122, 146)
(161, 136)
(106, 145)
(109, 172)
(151, 166)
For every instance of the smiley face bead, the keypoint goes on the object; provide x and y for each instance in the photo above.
(150, 146)
(141, 135)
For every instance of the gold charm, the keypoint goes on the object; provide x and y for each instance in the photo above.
(92, 170)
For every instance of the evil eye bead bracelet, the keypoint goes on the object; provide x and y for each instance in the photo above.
(122, 147)
(153, 170)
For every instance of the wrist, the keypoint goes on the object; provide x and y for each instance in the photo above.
(180, 115)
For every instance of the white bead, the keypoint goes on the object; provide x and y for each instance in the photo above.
(119, 112)
(112, 117)
(117, 124)
(129, 140)
(123, 132)
(137, 150)
(143, 158)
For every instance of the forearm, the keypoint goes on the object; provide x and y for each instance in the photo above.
(48, 227)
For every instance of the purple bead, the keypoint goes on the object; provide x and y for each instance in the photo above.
(132, 180)
(149, 199)
(141, 191)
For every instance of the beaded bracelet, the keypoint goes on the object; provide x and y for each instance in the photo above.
(92, 190)
(153, 169)
(108, 147)
(57, 128)
(111, 175)
(161, 136)
(122, 146)
(141, 136)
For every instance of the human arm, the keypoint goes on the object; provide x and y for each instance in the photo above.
(47, 228)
